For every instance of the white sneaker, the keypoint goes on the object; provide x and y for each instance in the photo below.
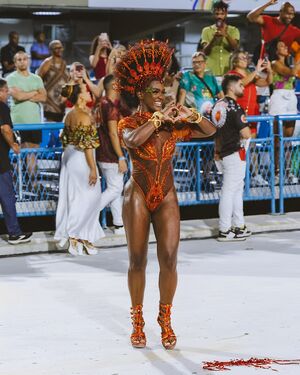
(119, 231)
(258, 180)
(292, 179)
(230, 235)
(242, 232)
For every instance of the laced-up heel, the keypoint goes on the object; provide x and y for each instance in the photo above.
(138, 338)
(168, 338)
(89, 248)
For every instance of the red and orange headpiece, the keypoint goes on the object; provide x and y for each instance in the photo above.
(144, 62)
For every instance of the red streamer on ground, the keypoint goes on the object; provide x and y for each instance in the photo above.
(263, 363)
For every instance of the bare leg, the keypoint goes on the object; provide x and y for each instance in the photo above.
(136, 219)
(166, 224)
(288, 131)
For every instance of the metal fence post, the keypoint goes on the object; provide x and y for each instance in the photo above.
(198, 174)
(281, 165)
(272, 170)
(247, 176)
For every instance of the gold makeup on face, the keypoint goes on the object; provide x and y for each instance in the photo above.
(154, 91)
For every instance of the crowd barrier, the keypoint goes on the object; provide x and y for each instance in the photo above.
(196, 176)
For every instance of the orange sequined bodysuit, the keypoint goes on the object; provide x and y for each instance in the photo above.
(152, 161)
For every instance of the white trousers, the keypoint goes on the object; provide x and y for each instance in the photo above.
(231, 201)
(112, 195)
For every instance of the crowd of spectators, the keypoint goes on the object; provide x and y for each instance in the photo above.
(39, 84)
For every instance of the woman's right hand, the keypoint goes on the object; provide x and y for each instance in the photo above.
(93, 177)
(170, 113)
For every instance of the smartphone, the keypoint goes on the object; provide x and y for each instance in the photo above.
(79, 67)
(219, 24)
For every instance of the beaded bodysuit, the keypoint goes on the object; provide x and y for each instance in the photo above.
(152, 161)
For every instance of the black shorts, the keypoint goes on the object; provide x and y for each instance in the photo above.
(32, 136)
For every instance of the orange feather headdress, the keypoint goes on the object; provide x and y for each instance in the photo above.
(146, 61)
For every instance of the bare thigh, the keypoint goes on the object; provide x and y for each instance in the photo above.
(136, 218)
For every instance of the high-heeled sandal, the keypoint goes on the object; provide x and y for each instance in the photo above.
(138, 338)
(168, 337)
(75, 247)
(89, 248)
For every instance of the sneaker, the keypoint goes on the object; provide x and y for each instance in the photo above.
(21, 238)
(230, 235)
(292, 179)
(119, 230)
(258, 180)
(242, 232)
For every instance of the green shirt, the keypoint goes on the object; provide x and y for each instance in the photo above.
(197, 94)
(25, 112)
(218, 59)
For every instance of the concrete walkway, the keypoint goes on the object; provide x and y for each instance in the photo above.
(43, 242)
(64, 315)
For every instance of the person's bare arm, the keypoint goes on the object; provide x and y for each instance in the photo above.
(94, 58)
(40, 97)
(262, 82)
(181, 96)
(8, 135)
(217, 149)
(136, 137)
(233, 43)
(284, 70)
(89, 156)
(245, 133)
(97, 90)
(44, 67)
(255, 14)
(7, 65)
(21, 95)
(207, 47)
(114, 138)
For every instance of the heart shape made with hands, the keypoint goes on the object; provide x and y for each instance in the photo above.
(176, 113)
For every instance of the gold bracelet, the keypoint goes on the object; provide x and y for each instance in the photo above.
(156, 122)
(157, 115)
(156, 119)
(199, 116)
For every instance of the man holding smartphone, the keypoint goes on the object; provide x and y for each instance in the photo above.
(219, 40)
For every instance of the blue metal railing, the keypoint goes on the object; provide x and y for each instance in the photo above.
(196, 177)
(288, 188)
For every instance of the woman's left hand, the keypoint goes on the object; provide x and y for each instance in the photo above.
(93, 177)
(184, 115)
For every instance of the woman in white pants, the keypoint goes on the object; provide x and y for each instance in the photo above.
(283, 102)
(77, 216)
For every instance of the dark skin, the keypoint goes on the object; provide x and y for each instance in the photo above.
(220, 18)
(166, 218)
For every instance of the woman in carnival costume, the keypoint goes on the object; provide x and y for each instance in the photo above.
(150, 136)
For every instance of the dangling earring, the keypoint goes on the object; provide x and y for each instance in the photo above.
(140, 109)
